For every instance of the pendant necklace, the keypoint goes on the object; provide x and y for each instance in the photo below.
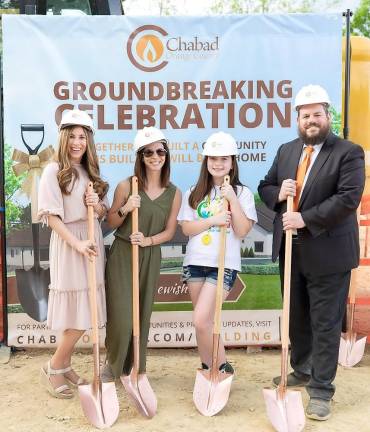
(207, 237)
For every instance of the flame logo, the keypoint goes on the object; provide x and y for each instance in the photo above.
(145, 48)
(149, 48)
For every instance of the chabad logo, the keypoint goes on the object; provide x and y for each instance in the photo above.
(146, 48)
(149, 48)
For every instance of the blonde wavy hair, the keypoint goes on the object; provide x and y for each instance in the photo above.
(67, 174)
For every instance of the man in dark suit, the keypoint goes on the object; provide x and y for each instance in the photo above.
(325, 241)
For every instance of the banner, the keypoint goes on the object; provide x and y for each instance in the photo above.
(189, 76)
(167, 329)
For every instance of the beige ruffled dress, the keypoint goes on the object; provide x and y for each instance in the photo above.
(68, 306)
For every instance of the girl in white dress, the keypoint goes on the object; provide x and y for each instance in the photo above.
(63, 201)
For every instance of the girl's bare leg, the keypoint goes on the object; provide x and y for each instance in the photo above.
(203, 297)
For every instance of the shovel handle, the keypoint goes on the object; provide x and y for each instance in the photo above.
(286, 302)
(354, 272)
(353, 288)
(32, 128)
(219, 289)
(135, 279)
(92, 288)
(287, 274)
(221, 267)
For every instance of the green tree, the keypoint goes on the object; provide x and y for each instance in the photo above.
(167, 7)
(336, 121)
(157, 7)
(269, 6)
(257, 199)
(360, 25)
(251, 253)
(246, 252)
(13, 210)
(7, 7)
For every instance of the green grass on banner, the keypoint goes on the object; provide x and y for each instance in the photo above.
(261, 292)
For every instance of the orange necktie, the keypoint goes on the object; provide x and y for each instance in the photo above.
(301, 173)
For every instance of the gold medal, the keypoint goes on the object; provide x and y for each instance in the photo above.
(206, 239)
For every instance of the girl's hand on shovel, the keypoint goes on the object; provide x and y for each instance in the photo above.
(91, 199)
(132, 203)
(227, 192)
(138, 238)
(86, 248)
(222, 218)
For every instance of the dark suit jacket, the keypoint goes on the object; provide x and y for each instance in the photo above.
(328, 203)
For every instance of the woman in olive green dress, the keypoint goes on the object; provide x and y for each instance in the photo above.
(159, 202)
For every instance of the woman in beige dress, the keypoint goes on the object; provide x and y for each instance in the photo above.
(63, 201)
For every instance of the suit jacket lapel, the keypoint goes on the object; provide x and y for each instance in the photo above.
(325, 151)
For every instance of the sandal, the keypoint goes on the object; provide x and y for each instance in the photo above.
(61, 392)
(80, 381)
(226, 368)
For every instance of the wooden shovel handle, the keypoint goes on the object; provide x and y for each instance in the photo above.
(287, 275)
(219, 291)
(286, 304)
(353, 288)
(90, 215)
(221, 268)
(135, 264)
(92, 288)
(354, 272)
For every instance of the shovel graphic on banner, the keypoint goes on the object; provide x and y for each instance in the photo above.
(32, 284)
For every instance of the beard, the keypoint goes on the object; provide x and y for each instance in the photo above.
(318, 138)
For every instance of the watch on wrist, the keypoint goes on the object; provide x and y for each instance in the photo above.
(121, 213)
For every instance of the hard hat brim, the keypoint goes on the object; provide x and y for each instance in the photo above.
(89, 128)
(163, 140)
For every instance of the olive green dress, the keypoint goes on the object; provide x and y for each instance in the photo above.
(153, 216)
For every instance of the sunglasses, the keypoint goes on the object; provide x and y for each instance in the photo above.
(149, 153)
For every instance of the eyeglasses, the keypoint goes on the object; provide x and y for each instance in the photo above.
(149, 153)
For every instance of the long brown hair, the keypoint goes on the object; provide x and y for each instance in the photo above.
(68, 174)
(205, 182)
(140, 169)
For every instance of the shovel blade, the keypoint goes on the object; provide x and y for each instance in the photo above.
(140, 393)
(351, 350)
(33, 292)
(211, 396)
(101, 407)
(286, 414)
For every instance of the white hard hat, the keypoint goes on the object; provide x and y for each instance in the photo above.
(220, 144)
(78, 118)
(311, 94)
(146, 136)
